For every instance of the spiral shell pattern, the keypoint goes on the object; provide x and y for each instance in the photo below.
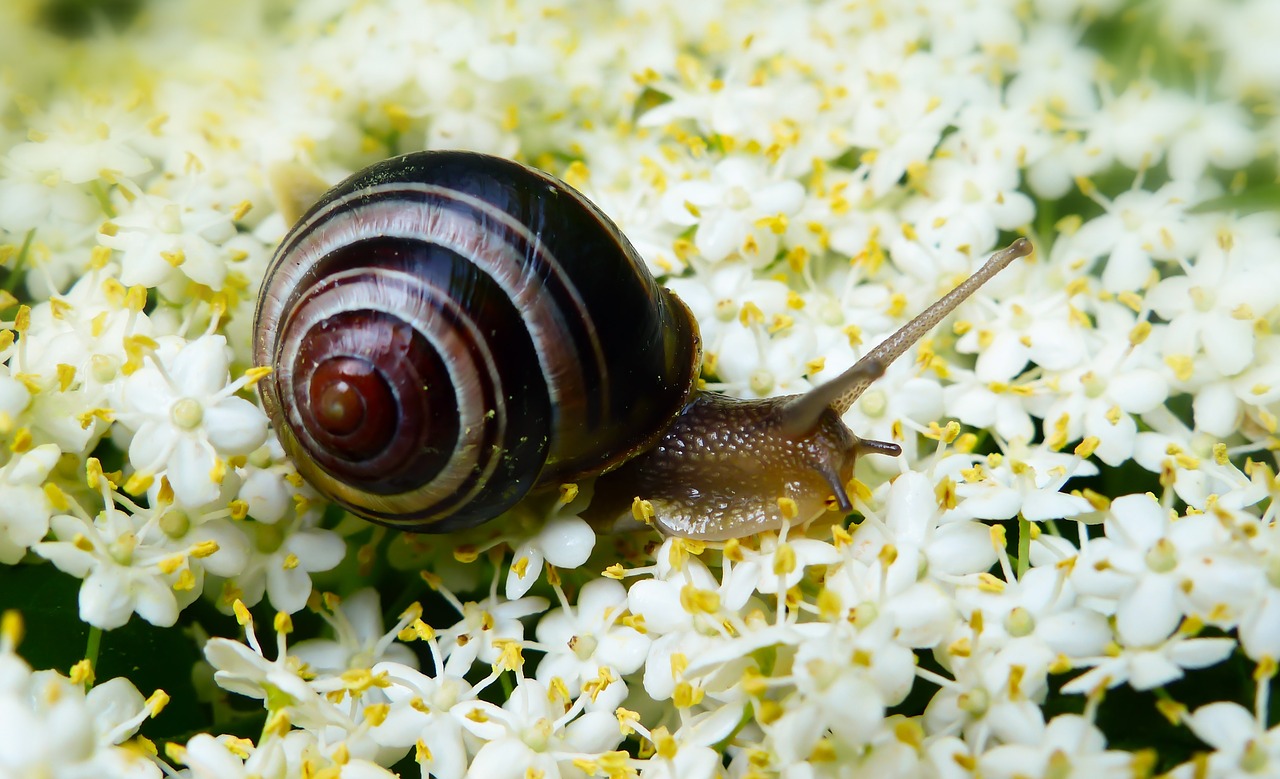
(448, 330)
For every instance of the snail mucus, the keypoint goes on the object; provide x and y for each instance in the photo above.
(450, 331)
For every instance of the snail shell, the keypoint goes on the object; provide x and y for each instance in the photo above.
(448, 330)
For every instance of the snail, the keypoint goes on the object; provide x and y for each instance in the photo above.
(450, 331)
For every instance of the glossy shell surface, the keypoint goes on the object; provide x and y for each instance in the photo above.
(448, 330)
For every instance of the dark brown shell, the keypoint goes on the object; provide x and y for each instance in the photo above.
(448, 330)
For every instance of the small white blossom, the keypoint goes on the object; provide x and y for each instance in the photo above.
(359, 638)
(533, 731)
(564, 541)
(53, 727)
(187, 419)
(25, 508)
(1138, 567)
(1137, 228)
(243, 668)
(158, 238)
(1068, 746)
(1210, 310)
(283, 558)
(1145, 668)
(1007, 487)
(729, 207)
(482, 627)
(1242, 745)
(120, 577)
(429, 710)
(590, 636)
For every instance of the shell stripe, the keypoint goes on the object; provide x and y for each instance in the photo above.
(489, 237)
(473, 381)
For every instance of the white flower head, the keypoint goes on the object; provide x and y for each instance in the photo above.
(25, 507)
(591, 635)
(186, 418)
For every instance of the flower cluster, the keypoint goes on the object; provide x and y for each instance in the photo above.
(1086, 495)
(53, 727)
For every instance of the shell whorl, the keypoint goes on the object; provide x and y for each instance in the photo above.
(447, 330)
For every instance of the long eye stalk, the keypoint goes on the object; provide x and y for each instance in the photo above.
(840, 393)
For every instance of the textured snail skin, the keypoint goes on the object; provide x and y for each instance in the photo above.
(447, 330)
(722, 466)
(728, 468)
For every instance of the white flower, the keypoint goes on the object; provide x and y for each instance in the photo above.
(1138, 227)
(729, 208)
(582, 640)
(990, 405)
(81, 144)
(1211, 309)
(986, 699)
(282, 560)
(429, 710)
(54, 728)
(191, 544)
(1043, 331)
(279, 683)
(564, 541)
(1242, 745)
(1037, 610)
(534, 731)
(88, 329)
(207, 757)
(1138, 566)
(1259, 624)
(732, 107)
(969, 202)
(847, 698)
(756, 341)
(688, 753)
(1199, 469)
(158, 238)
(1068, 746)
(119, 576)
(1002, 488)
(1215, 134)
(1149, 667)
(921, 538)
(903, 131)
(775, 567)
(268, 484)
(1101, 402)
(25, 508)
(360, 640)
(482, 627)
(31, 198)
(186, 418)
(1133, 128)
(689, 762)
(296, 753)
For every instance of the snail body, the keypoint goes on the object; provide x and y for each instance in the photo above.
(448, 331)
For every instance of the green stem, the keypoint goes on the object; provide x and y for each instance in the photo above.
(103, 197)
(18, 260)
(1024, 545)
(91, 651)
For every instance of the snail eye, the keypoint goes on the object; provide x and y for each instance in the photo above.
(353, 404)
